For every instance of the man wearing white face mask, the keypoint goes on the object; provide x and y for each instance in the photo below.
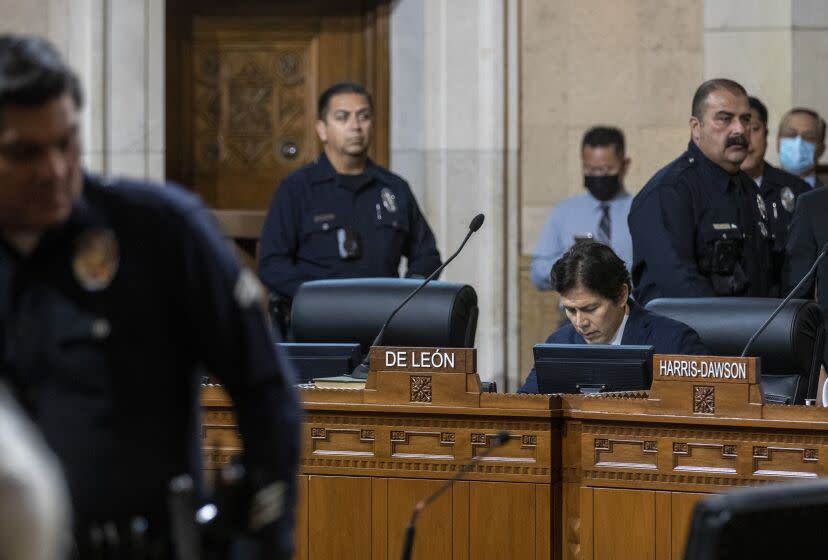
(801, 143)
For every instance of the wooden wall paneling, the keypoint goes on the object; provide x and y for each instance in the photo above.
(540, 316)
(341, 524)
(663, 526)
(544, 507)
(502, 516)
(302, 519)
(379, 520)
(624, 524)
(460, 520)
(586, 524)
(681, 506)
(378, 71)
(433, 536)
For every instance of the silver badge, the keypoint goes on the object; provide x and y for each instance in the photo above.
(389, 200)
(763, 229)
(788, 199)
(760, 202)
(96, 259)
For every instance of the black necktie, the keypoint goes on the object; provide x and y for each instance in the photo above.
(605, 225)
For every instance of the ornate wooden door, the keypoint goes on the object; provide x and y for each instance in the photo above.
(242, 89)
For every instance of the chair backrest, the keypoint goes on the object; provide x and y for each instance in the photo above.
(790, 348)
(784, 520)
(443, 314)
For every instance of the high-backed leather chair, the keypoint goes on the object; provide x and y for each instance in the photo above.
(790, 348)
(443, 314)
(774, 521)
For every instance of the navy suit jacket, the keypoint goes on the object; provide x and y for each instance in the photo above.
(665, 335)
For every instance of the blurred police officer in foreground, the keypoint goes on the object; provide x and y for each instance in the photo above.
(112, 295)
(343, 216)
(779, 189)
(699, 227)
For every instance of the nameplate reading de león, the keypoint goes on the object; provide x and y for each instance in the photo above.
(420, 358)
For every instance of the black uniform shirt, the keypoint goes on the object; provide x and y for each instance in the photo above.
(313, 211)
(104, 329)
(780, 190)
(678, 218)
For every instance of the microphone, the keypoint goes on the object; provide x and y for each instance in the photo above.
(793, 292)
(408, 545)
(361, 371)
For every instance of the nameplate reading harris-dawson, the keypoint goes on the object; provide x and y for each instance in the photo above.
(386, 358)
(707, 368)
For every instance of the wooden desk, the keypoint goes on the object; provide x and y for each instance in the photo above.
(602, 477)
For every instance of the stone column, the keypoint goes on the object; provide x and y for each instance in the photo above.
(117, 49)
(450, 100)
(775, 48)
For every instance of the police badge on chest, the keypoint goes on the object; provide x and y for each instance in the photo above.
(96, 259)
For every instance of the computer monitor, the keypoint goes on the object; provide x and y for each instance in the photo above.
(783, 520)
(311, 359)
(592, 368)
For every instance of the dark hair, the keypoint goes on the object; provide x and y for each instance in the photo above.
(604, 136)
(32, 73)
(336, 89)
(760, 108)
(811, 113)
(593, 266)
(708, 87)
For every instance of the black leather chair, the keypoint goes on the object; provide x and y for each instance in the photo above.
(790, 348)
(443, 314)
(774, 521)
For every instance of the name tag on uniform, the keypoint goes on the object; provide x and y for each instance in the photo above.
(324, 217)
(725, 227)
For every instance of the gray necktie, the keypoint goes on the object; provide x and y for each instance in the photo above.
(605, 225)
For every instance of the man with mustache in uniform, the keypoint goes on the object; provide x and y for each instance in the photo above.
(699, 227)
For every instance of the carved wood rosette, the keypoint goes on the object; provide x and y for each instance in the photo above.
(420, 388)
(704, 399)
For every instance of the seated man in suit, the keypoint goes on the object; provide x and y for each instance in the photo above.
(594, 286)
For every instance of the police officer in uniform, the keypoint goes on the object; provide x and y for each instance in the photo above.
(699, 226)
(779, 189)
(113, 295)
(343, 216)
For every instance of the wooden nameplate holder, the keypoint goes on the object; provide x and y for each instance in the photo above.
(706, 386)
(423, 376)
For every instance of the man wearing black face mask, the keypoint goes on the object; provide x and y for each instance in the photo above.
(699, 226)
(599, 214)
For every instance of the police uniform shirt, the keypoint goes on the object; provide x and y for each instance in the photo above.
(105, 327)
(780, 190)
(314, 213)
(698, 231)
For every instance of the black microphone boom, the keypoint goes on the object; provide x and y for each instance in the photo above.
(793, 292)
(361, 371)
(408, 545)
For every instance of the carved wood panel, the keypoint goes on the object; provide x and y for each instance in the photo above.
(242, 81)
(419, 445)
(649, 455)
(252, 113)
